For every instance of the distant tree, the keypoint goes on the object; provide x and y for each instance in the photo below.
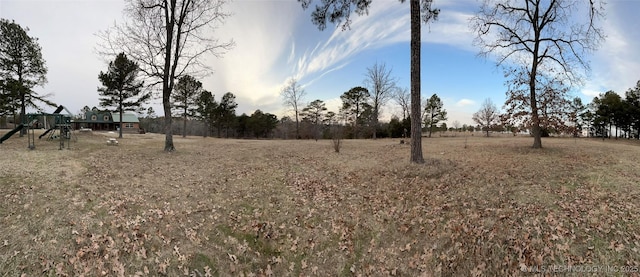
(395, 127)
(339, 12)
(538, 37)
(184, 98)
(434, 112)
(402, 97)
(610, 109)
(576, 109)
(443, 127)
(21, 69)
(242, 128)
(262, 124)
(331, 118)
(354, 105)
(314, 113)
(293, 96)
(206, 110)
(226, 113)
(121, 88)
(83, 111)
(587, 118)
(487, 116)
(151, 113)
(456, 125)
(169, 38)
(632, 97)
(381, 85)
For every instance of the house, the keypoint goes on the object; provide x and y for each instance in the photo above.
(130, 122)
(95, 120)
(107, 121)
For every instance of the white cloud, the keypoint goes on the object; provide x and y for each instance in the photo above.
(333, 104)
(616, 65)
(387, 23)
(465, 102)
(252, 70)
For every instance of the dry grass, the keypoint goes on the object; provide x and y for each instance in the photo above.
(289, 208)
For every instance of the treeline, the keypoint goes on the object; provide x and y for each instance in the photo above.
(610, 115)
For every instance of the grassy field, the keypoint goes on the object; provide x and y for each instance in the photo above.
(478, 207)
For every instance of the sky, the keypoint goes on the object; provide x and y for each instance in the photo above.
(275, 40)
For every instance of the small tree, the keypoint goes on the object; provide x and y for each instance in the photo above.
(354, 106)
(225, 113)
(293, 95)
(487, 116)
(120, 87)
(576, 110)
(434, 112)
(314, 112)
(336, 137)
(456, 125)
(206, 110)
(184, 98)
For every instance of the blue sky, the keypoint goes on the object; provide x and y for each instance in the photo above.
(275, 40)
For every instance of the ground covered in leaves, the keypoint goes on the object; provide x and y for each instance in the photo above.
(215, 207)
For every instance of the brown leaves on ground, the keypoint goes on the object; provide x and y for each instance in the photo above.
(281, 208)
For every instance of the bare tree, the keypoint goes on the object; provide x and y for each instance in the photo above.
(335, 11)
(403, 99)
(456, 126)
(293, 95)
(381, 86)
(538, 35)
(168, 38)
(487, 116)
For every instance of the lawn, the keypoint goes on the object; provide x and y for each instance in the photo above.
(217, 207)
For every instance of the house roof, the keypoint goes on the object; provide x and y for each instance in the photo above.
(126, 117)
(99, 117)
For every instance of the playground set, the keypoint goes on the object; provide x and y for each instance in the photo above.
(59, 123)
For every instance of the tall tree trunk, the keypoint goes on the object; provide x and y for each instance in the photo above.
(535, 130)
(416, 128)
(375, 122)
(121, 113)
(297, 124)
(355, 122)
(23, 105)
(184, 123)
(23, 113)
(169, 13)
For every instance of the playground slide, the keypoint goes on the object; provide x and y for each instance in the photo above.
(46, 132)
(57, 111)
(10, 133)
